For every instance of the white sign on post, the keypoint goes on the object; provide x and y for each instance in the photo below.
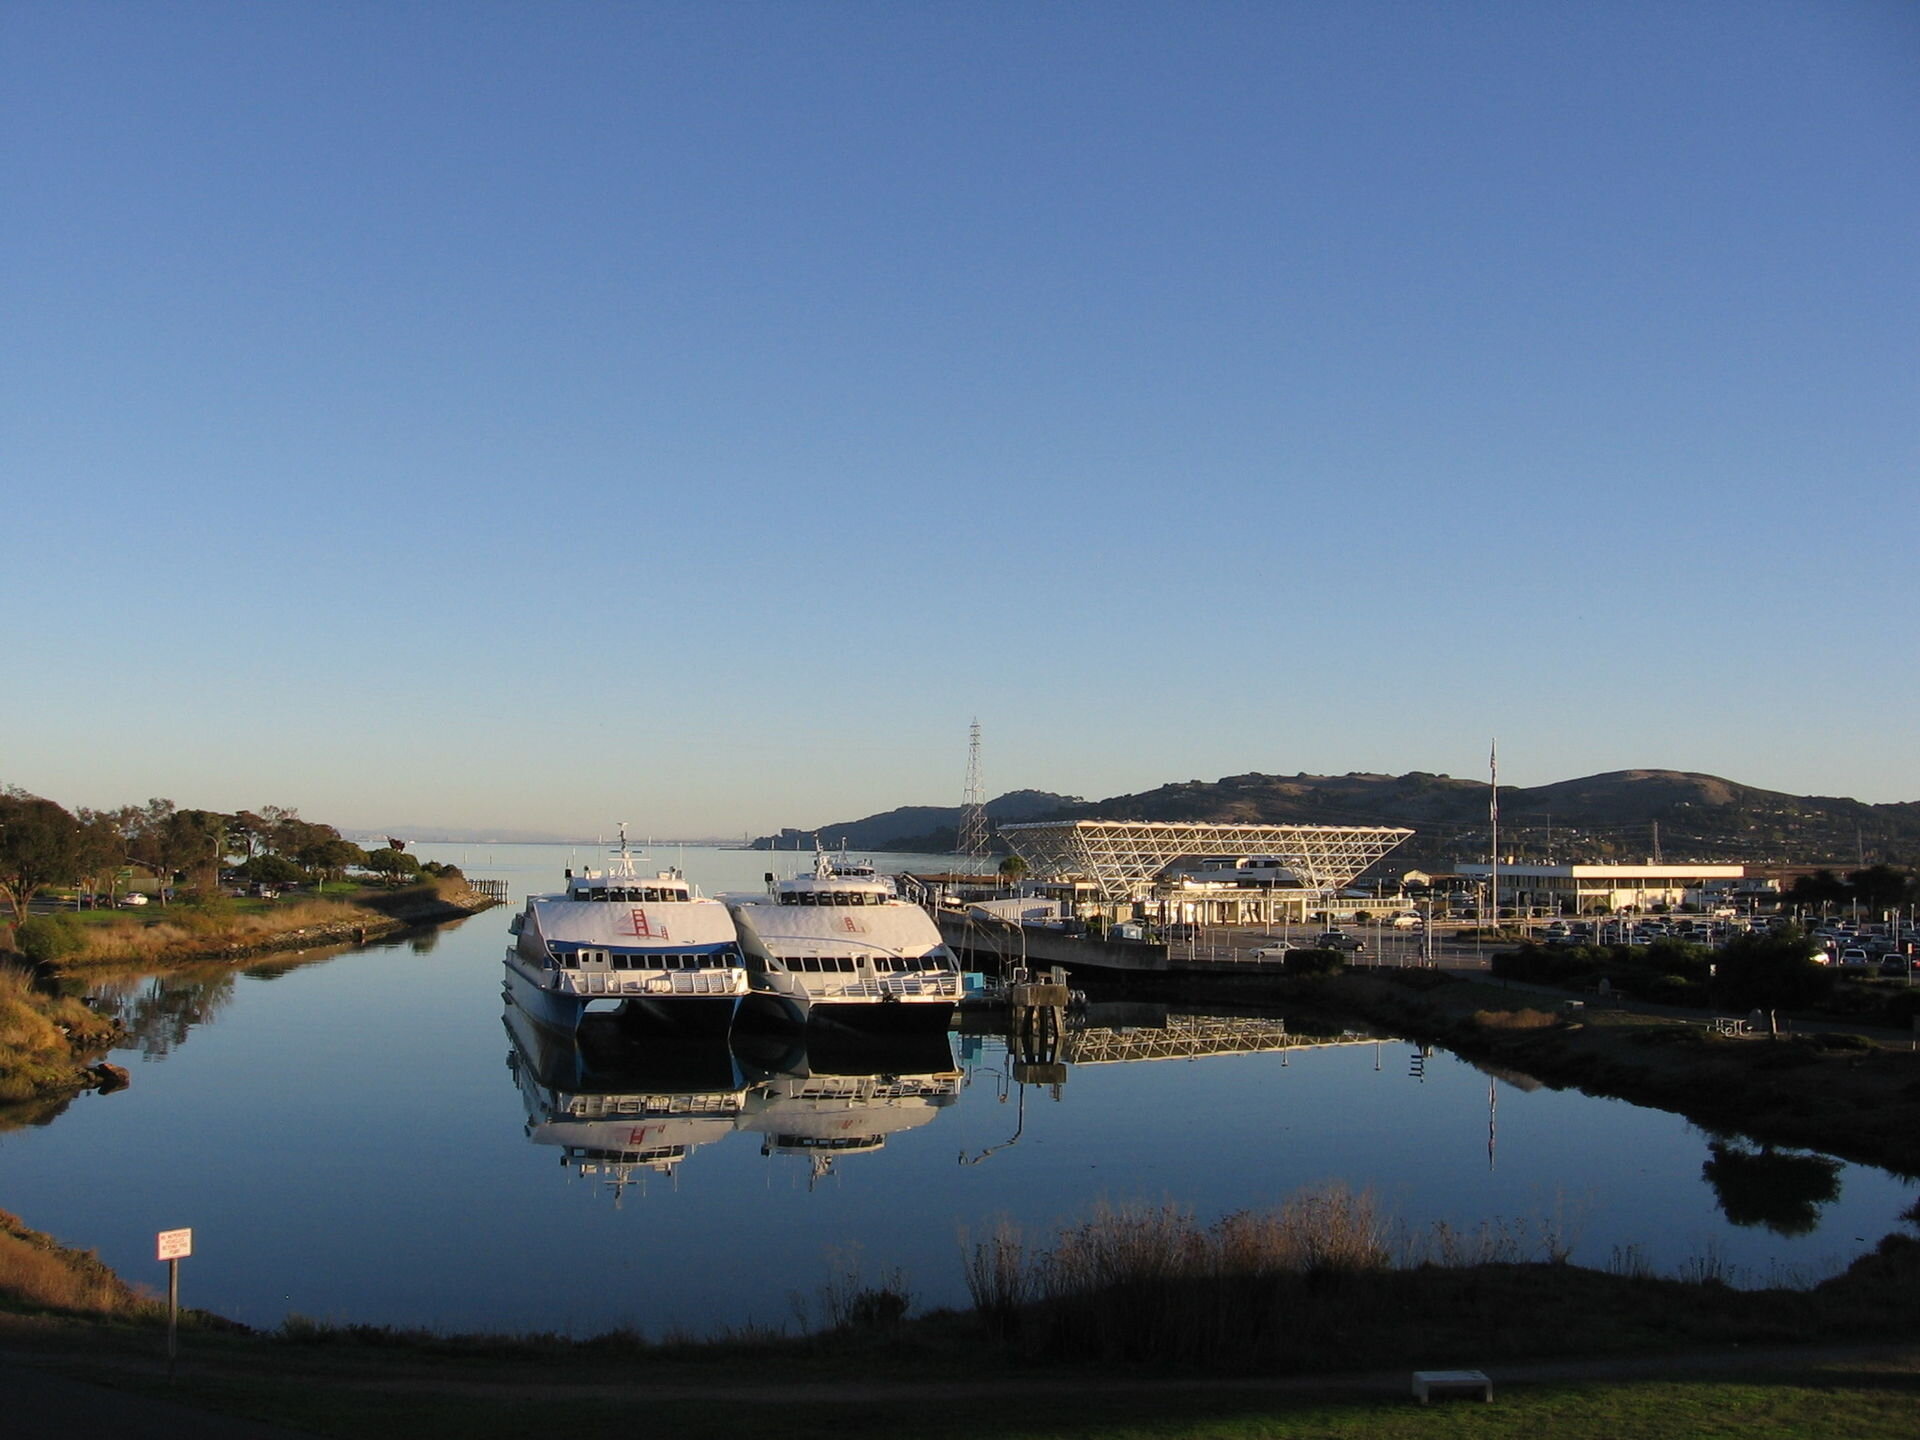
(176, 1244)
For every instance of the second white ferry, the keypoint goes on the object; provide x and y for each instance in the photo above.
(651, 948)
(841, 946)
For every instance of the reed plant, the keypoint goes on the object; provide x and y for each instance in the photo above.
(1329, 1280)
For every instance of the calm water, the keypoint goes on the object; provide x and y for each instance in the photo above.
(349, 1140)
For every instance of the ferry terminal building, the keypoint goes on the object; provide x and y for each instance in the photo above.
(1180, 872)
(1193, 873)
(1604, 889)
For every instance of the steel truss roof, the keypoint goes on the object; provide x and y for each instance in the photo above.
(1123, 858)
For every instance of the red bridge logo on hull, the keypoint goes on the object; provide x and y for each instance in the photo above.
(641, 928)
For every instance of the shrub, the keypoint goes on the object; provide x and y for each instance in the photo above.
(44, 939)
(1313, 962)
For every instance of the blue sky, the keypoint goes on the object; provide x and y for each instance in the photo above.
(537, 415)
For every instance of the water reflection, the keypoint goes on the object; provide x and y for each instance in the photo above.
(622, 1106)
(620, 1109)
(1782, 1191)
(158, 1011)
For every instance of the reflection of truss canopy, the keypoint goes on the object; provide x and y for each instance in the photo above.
(1123, 857)
(1187, 1037)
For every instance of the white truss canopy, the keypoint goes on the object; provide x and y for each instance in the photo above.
(1124, 858)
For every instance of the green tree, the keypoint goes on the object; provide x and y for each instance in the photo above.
(1881, 887)
(172, 841)
(328, 857)
(272, 870)
(1771, 971)
(392, 864)
(1013, 869)
(39, 841)
(100, 850)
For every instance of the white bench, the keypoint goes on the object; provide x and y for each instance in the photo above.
(1428, 1383)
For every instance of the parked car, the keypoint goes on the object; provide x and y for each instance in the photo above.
(1853, 955)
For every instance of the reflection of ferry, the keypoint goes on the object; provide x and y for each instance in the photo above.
(618, 1110)
(840, 945)
(823, 1115)
(649, 948)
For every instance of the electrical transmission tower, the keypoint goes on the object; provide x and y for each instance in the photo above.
(973, 808)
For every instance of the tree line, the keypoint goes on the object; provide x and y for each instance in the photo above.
(43, 844)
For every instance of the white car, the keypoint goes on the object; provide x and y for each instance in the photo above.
(1272, 952)
(133, 898)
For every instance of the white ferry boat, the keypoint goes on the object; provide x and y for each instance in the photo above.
(650, 948)
(840, 946)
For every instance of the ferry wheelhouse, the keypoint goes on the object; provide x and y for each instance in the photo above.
(841, 947)
(652, 949)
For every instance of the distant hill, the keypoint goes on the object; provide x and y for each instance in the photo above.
(925, 829)
(1624, 815)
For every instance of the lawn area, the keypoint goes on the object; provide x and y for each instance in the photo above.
(1860, 1403)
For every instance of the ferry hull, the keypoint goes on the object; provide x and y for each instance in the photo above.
(670, 1015)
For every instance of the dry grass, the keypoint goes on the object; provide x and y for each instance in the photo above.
(41, 1035)
(1514, 1019)
(39, 1274)
(186, 932)
(1329, 1279)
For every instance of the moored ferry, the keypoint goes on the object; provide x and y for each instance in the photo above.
(650, 949)
(840, 946)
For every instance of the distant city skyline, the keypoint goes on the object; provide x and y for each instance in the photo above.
(534, 416)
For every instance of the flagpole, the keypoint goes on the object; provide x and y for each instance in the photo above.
(1493, 811)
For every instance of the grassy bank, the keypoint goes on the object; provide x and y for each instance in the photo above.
(44, 1039)
(219, 928)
